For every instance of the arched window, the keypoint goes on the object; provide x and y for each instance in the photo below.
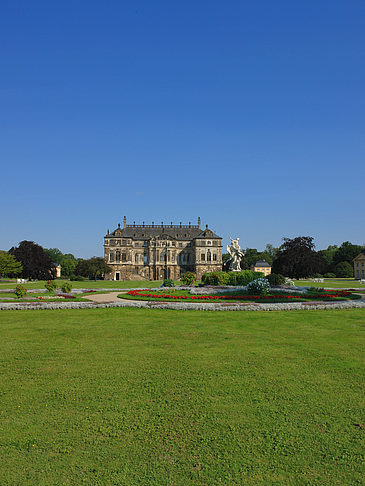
(209, 256)
(117, 256)
(163, 256)
(136, 258)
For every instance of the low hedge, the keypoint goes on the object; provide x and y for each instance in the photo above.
(241, 278)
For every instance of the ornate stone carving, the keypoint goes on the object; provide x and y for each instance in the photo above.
(236, 255)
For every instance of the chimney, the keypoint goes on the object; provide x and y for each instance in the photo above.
(124, 222)
(206, 226)
(199, 222)
(118, 225)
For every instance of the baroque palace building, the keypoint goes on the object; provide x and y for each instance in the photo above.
(155, 252)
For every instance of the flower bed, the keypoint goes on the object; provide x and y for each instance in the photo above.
(269, 298)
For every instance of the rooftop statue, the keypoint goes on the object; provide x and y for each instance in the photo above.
(236, 255)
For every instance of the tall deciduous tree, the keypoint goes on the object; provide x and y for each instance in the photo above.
(93, 267)
(297, 258)
(9, 265)
(36, 263)
(346, 253)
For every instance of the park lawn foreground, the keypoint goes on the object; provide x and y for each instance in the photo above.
(135, 396)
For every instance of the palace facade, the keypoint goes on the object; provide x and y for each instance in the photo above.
(359, 265)
(155, 252)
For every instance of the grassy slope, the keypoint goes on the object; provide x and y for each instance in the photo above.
(131, 396)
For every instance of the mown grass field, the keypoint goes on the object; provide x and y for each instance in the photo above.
(349, 283)
(151, 397)
(87, 284)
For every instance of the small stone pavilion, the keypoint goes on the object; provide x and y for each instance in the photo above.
(158, 251)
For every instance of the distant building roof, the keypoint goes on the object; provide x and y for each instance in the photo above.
(261, 263)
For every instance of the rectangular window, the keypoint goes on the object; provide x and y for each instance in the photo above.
(124, 242)
(215, 243)
(111, 257)
(203, 243)
(214, 257)
(203, 257)
(124, 257)
(145, 243)
(180, 245)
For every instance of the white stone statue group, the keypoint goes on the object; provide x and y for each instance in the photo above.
(236, 255)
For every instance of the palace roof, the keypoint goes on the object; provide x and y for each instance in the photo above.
(178, 232)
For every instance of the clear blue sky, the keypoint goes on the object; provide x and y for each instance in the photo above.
(247, 114)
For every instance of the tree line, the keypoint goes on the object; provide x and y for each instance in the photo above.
(33, 262)
(296, 258)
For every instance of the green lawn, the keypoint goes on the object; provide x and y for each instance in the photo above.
(88, 284)
(151, 397)
(349, 283)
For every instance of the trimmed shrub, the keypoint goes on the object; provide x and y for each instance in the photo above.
(168, 282)
(20, 291)
(51, 285)
(260, 286)
(329, 275)
(241, 278)
(275, 279)
(215, 278)
(188, 278)
(66, 287)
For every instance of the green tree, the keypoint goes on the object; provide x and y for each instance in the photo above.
(344, 270)
(9, 265)
(54, 254)
(346, 253)
(68, 264)
(36, 263)
(297, 258)
(92, 267)
(328, 256)
(251, 257)
(271, 251)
